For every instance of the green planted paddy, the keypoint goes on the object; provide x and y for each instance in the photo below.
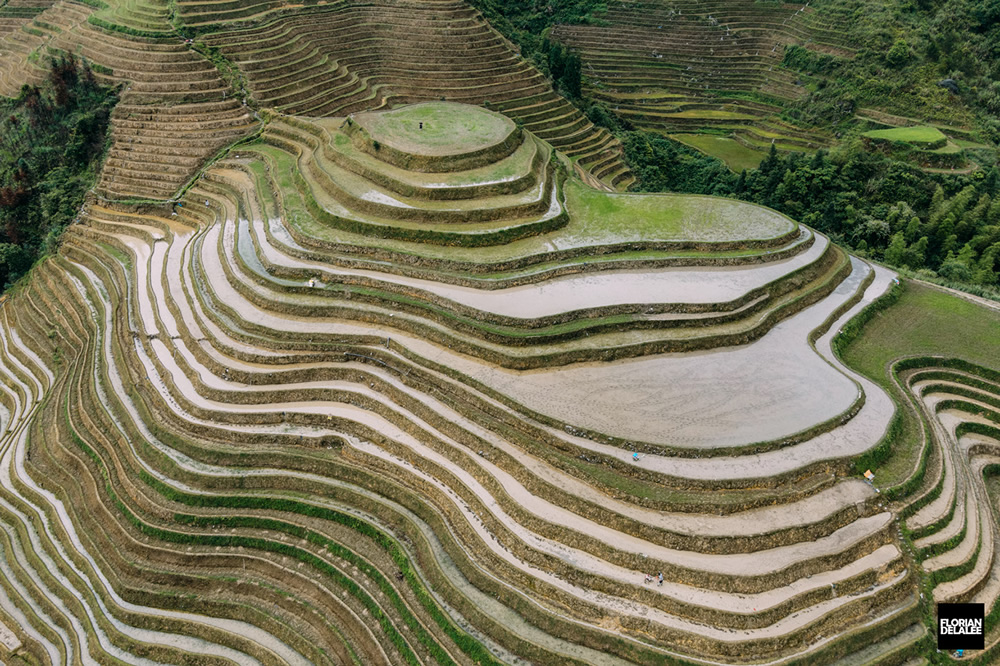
(919, 134)
(927, 321)
(736, 156)
(668, 217)
(916, 134)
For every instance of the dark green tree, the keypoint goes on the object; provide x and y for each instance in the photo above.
(53, 139)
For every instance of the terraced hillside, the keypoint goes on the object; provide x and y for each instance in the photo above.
(689, 67)
(15, 13)
(946, 381)
(954, 524)
(176, 110)
(349, 57)
(380, 392)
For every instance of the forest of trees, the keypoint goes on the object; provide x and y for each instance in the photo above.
(51, 140)
(947, 227)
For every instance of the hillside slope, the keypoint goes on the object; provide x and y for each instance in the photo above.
(355, 356)
(353, 377)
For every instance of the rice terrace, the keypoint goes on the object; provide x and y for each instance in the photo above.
(436, 332)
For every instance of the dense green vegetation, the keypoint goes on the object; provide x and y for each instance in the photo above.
(664, 165)
(54, 136)
(940, 226)
(525, 22)
(932, 59)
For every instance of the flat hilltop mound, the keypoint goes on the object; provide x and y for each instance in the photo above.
(437, 129)
(508, 186)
